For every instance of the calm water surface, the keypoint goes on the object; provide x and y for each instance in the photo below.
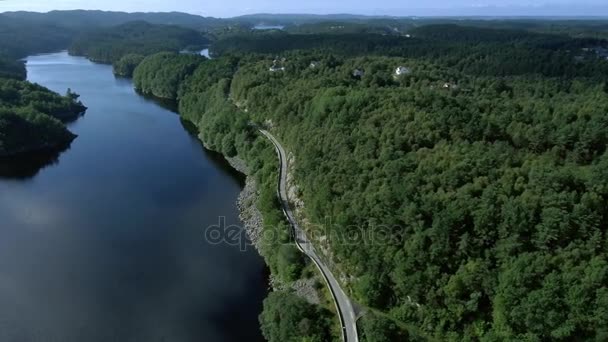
(107, 243)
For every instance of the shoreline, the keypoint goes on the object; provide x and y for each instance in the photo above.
(246, 201)
(249, 214)
(253, 225)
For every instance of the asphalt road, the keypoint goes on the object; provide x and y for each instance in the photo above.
(343, 304)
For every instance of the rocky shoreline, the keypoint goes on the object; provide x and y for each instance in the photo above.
(253, 223)
(249, 213)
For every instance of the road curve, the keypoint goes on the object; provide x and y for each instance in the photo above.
(343, 303)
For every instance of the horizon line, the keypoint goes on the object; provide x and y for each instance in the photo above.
(352, 14)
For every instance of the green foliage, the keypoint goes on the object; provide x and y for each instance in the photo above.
(29, 117)
(20, 94)
(127, 64)
(465, 180)
(475, 51)
(288, 318)
(277, 42)
(432, 170)
(543, 295)
(161, 74)
(12, 69)
(27, 130)
(333, 27)
(290, 262)
(376, 328)
(109, 45)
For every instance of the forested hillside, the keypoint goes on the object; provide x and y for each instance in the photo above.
(79, 19)
(109, 45)
(126, 65)
(161, 74)
(277, 42)
(490, 190)
(10, 68)
(19, 38)
(476, 51)
(340, 27)
(467, 204)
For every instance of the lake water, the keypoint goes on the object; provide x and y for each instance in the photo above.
(108, 242)
(264, 27)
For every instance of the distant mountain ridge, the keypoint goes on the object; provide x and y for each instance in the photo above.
(79, 18)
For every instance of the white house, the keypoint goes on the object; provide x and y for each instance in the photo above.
(358, 73)
(275, 66)
(402, 71)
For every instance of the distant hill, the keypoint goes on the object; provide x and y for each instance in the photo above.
(307, 23)
(286, 19)
(108, 45)
(20, 37)
(81, 18)
(12, 69)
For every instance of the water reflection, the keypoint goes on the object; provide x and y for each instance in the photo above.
(27, 166)
(217, 158)
(168, 104)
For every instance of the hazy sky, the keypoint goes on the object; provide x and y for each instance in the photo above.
(225, 8)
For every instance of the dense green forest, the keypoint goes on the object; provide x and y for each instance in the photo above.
(488, 189)
(333, 27)
(126, 65)
(310, 23)
(477, 51)
(277, 42)
(473, 203)
(19, 38)
(30, 118)
(10, 68)
(162, 74)
(289, 318)
(582, 28)
(108, 45)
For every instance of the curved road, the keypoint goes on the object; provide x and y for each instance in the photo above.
(343, 303)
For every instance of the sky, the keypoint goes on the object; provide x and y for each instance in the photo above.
(227, 8)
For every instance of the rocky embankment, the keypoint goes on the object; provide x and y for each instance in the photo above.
(249, 214)
(252, 220)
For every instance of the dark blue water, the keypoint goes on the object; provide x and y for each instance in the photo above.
(107, 243)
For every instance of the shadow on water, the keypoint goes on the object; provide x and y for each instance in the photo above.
(27, 166)
(73, 118)
(216, 157)
(168, 104)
